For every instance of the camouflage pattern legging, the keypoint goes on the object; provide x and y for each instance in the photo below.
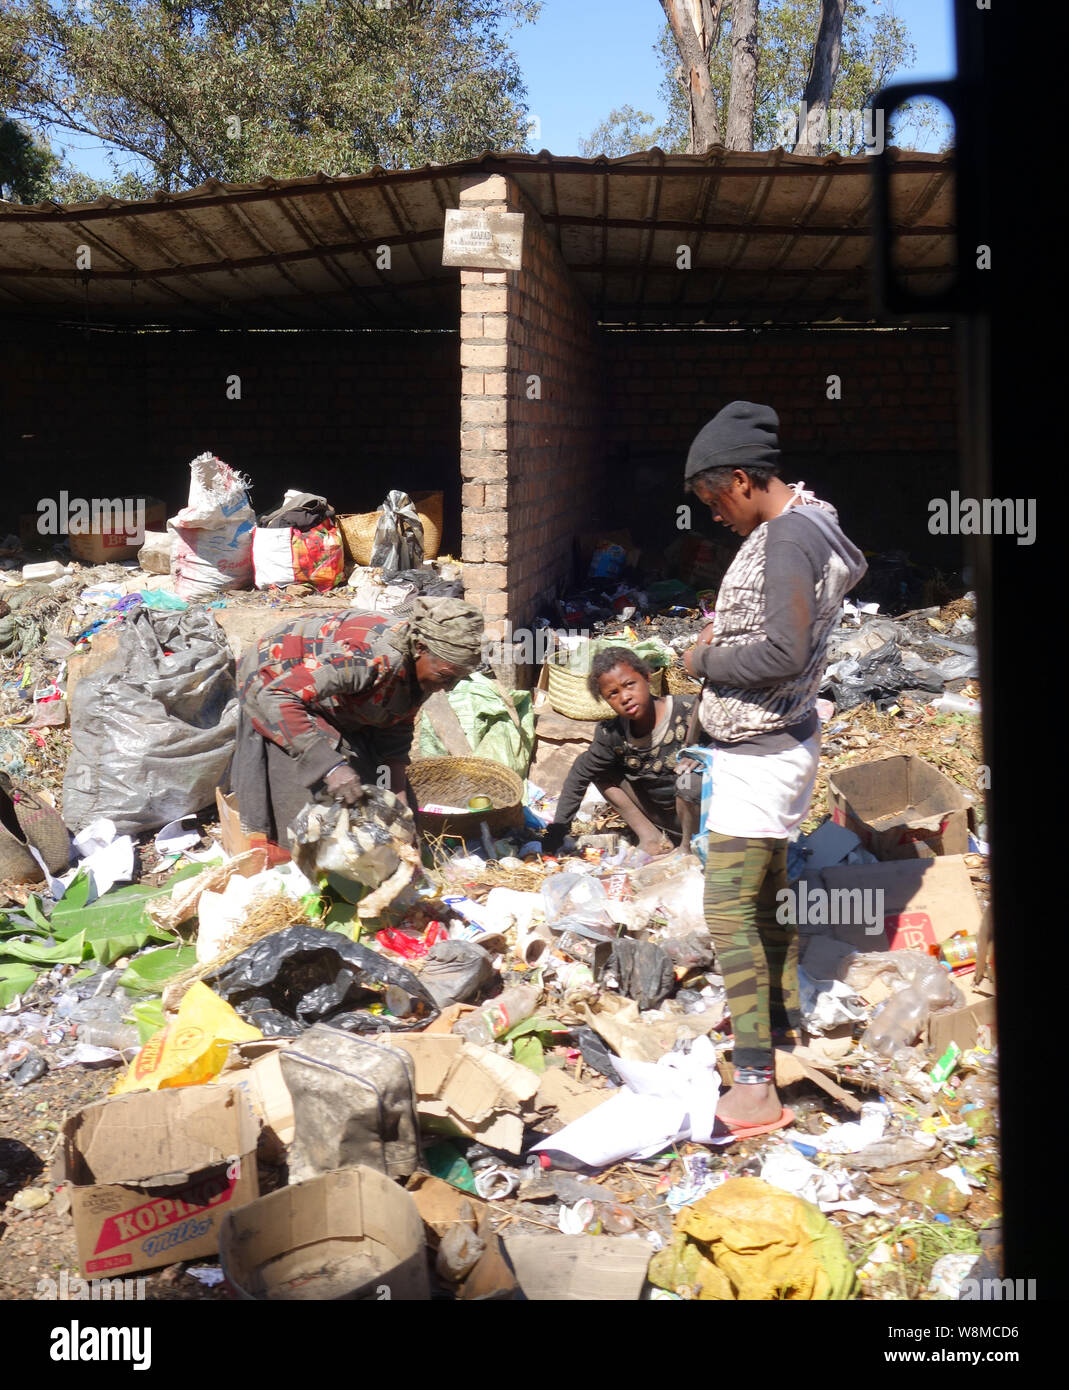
(758, 955)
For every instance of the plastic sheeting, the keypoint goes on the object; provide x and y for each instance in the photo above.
(487, 724)
(153, 729)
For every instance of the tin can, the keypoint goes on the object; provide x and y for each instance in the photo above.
(480, 803)
(958, 952)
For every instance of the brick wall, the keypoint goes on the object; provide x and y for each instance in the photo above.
(532, 452)
(879, 453)
(347, 414)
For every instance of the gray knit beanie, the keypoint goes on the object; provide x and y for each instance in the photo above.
(742, 435)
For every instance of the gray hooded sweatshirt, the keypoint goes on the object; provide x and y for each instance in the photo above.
(779, 602)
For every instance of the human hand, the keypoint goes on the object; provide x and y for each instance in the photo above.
(344, 785)
(554, 837)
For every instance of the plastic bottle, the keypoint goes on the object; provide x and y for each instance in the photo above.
(100, 1023)
(899, 1022)
(498, 1015)
(956, 704)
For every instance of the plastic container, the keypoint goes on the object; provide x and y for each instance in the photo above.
(575, 895)
(899, 1022)
(956, 704)
(498, 1015)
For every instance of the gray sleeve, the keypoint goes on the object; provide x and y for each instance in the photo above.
(783, 650)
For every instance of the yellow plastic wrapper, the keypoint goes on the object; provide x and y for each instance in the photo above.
(191, 1049)
(749, 1240)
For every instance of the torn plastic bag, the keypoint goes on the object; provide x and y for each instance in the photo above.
(354, 1102)
(152, 730)
(302, 975)
(644, 971)
(596, 1053)
(690, 949)
(398, 543)
(455, 970)
(878, 676)
(370, 845)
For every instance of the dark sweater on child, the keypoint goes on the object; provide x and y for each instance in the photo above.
(650, 767)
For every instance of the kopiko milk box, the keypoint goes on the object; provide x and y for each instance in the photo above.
(152, 1174)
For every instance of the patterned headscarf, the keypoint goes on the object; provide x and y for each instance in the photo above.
(448, 627)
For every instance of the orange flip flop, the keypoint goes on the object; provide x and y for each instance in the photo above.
(786, 1117)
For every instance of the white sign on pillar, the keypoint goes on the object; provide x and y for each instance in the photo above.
(479, 240)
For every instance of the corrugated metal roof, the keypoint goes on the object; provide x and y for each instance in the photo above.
(774, 238)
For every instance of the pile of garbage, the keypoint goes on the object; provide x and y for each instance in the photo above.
(513, 1060)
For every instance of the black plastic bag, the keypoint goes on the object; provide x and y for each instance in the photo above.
(878, 676)
(643, 970)
(596, 1054)
(304, 975)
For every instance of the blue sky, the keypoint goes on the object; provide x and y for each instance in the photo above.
(570, 93)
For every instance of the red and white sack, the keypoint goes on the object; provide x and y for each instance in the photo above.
(213, 532)
(283, 555)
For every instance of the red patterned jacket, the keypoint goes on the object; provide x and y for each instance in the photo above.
(317, 677)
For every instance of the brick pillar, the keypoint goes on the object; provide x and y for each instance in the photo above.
(530, 464)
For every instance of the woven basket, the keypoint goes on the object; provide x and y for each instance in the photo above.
(358, 528)
(568, 693)
(453, 782)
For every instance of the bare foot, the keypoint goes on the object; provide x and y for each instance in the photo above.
(750, 1105)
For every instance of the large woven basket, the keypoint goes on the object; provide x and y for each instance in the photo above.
(568, 693)
(358, 528)
(453, 782)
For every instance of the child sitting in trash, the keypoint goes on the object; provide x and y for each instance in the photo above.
(632, 760)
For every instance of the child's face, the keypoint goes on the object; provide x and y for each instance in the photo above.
(625, 691)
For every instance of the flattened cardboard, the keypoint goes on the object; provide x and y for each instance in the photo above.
(232, 837)
(569, 1098)
(900, 807)
(924, 902)
(442, 1206)
(578, 1268)
(152, 1174)
(796, 1065)
(470, 1091)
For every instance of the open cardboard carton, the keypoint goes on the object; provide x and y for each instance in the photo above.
(925, 901)
(900, 807)
(152, 1174)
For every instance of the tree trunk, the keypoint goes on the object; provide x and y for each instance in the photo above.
(694, 24)
(742, 96)
(822, 77)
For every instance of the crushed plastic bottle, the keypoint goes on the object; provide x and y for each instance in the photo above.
(498, 1015)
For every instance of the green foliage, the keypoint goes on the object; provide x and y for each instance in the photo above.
(241, 90)
(26, 165)
(623, 131)
(875, 44)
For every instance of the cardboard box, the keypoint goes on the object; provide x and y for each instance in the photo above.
(900, 807)
(963, 1025)
(152, 1174)
(101, 547)
(923, 902)
(350, 1234)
